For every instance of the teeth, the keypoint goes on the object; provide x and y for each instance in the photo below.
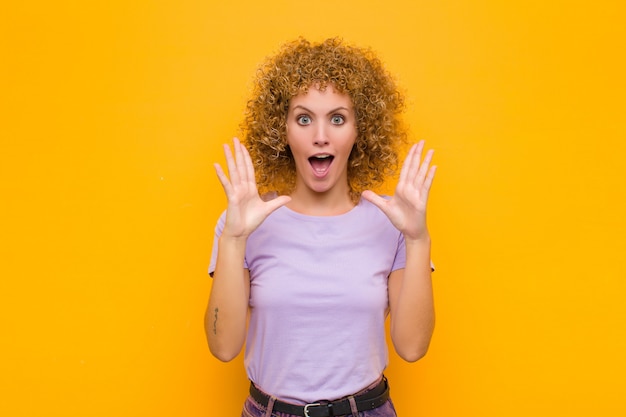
(321, 156)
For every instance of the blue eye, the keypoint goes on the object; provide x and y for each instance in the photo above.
(303, 120)
(337, 119)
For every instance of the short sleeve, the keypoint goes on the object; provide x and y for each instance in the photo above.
(400, 260)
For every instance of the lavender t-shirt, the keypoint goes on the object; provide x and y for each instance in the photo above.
(318, 301)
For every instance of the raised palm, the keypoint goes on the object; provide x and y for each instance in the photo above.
(406, 209)
(246, 210)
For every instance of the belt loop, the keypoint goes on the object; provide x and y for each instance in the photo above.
(270, 406)
(355, 411)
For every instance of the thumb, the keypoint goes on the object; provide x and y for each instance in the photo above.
(277, 202)
(374, 198)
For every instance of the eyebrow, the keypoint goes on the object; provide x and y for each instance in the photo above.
(299, 106)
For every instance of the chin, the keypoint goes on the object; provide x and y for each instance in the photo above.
(319, 188)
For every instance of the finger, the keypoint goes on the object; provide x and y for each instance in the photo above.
(230, 163)
(249, 166)
(414, 162)
(240, 160)
(428, 182)
(278, 202)
(424, 167)
(404, 172)
(375, 199)
(222, 178)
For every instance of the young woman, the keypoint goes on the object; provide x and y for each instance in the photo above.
(307, 261)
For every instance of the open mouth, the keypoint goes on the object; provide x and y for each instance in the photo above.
(321, 163)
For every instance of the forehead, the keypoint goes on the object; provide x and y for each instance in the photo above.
(326, 98)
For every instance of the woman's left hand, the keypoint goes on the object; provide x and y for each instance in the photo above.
(407, 208)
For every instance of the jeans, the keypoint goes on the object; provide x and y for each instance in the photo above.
(253, 409)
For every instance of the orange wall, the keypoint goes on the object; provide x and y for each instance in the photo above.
(113, 112)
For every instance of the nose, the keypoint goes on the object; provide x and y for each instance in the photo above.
(320, 137)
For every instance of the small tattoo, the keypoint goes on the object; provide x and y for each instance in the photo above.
(215, 322)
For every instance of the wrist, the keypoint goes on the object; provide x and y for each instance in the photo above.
(232, 240)
(420, 241)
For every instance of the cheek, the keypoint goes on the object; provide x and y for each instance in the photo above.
(296, 138)
(352, 142)
(293, 147)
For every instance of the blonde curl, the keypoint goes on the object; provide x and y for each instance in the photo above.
(298, 65)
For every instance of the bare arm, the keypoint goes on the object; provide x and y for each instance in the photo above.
(411, 303)
(226, 314)
(410, 289)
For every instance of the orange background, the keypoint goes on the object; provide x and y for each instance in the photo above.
(113, 112)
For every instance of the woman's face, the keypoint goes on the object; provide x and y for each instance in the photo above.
(321, 131)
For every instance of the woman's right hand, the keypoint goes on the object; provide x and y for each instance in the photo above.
(246, 210)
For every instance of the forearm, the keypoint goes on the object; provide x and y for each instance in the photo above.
(226, 314)
(413, 315)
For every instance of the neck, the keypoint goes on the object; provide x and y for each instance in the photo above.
(329, 203)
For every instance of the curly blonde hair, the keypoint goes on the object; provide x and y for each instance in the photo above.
(297, 66)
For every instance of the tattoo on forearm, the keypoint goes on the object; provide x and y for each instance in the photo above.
(215, 322)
